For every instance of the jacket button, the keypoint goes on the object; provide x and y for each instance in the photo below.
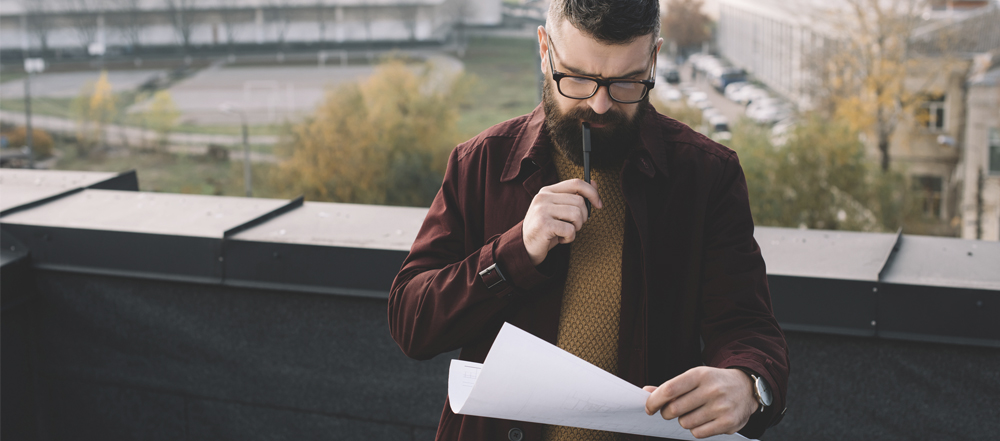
(515, 434)
(645, 165)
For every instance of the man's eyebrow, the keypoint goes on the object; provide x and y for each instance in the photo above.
(588, 74)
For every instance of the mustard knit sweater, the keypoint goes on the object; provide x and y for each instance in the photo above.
(591, 303)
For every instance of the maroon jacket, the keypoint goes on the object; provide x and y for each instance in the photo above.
(694, 289)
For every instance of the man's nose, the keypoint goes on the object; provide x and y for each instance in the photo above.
(601, 101)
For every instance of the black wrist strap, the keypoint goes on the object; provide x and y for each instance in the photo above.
(493, 278)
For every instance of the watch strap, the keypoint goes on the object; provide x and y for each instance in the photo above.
(493, 278)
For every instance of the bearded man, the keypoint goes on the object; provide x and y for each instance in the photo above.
(661, 283)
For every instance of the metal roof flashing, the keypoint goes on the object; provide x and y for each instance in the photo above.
(342, 225)
(945, 262)
(839, 255)
(148, 213)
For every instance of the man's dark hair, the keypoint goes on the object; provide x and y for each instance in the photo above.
(608, 21)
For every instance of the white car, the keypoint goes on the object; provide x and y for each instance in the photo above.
(718, 126)
(710, 112)
(669, 94)
(696, 97)
(769, 112)
(732, 90)
(748, 93)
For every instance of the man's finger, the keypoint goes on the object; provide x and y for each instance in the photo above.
(571, 214)
(672, 389)
(714, 427)
(577, 186)
(695, 418)
(685, 404)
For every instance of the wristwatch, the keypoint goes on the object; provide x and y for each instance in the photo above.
(761, 391)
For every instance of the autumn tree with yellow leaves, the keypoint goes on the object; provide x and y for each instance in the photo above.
(94, 108)
(162, 115)
(864, 75)
(381, 141)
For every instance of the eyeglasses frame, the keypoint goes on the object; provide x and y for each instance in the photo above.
(601, 82)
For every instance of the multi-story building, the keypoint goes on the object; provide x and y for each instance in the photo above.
(69, 24)
(780, 43)
(981, 161)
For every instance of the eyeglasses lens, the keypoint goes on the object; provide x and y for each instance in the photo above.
(580, 88)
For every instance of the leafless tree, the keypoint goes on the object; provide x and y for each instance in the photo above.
(40, 23)
(367, 18)
(280, 16)
(321, 20)
(182, 18)
(130, 21)
(408, 15)
(230, 13)
(84, 18)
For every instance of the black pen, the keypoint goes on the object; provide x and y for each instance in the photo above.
(586, 161)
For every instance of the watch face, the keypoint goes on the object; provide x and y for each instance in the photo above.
(764, 391)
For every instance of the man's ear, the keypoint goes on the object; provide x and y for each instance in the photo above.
(659, 45)
(543, 47)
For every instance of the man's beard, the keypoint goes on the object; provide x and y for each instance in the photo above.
(610, 145)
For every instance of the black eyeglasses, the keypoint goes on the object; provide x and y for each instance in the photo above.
(581, 87)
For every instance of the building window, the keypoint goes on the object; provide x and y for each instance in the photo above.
(994, 151)
(929, 190)
(931, 113)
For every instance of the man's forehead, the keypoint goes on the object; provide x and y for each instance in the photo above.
(583, 54)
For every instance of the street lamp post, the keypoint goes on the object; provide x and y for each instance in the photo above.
(31, 65)
(230, 109)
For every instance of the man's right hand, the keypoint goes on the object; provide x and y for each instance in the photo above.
(556, 213)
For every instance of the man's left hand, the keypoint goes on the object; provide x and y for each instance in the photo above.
(708, 401)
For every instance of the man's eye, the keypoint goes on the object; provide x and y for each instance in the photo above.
(580, 81)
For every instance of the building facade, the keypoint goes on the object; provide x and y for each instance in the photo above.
(780, 43)
(68, 24)
(981, 162)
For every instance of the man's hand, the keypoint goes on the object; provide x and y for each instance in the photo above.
(709, 401)
(556, 213)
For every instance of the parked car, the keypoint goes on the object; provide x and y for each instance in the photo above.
(668, 94)
(748, 94)
(697, 96)
(673, 76)
(768, 111)
(718, 126)
(733, 89)
(709, 112)
(726, 76)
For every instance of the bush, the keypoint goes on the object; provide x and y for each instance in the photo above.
(821, 178)
(382, 141)
(40, 140)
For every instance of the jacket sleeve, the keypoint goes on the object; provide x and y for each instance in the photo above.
(438, 302)
(738, 324)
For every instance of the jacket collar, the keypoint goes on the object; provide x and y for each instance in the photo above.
(532, 145)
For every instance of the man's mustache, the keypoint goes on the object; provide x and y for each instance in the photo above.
(609, 118)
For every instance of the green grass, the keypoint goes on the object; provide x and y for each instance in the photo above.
(11, 76)
(506, 82)
(175, 173)
(58, 107)
(258, 130)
